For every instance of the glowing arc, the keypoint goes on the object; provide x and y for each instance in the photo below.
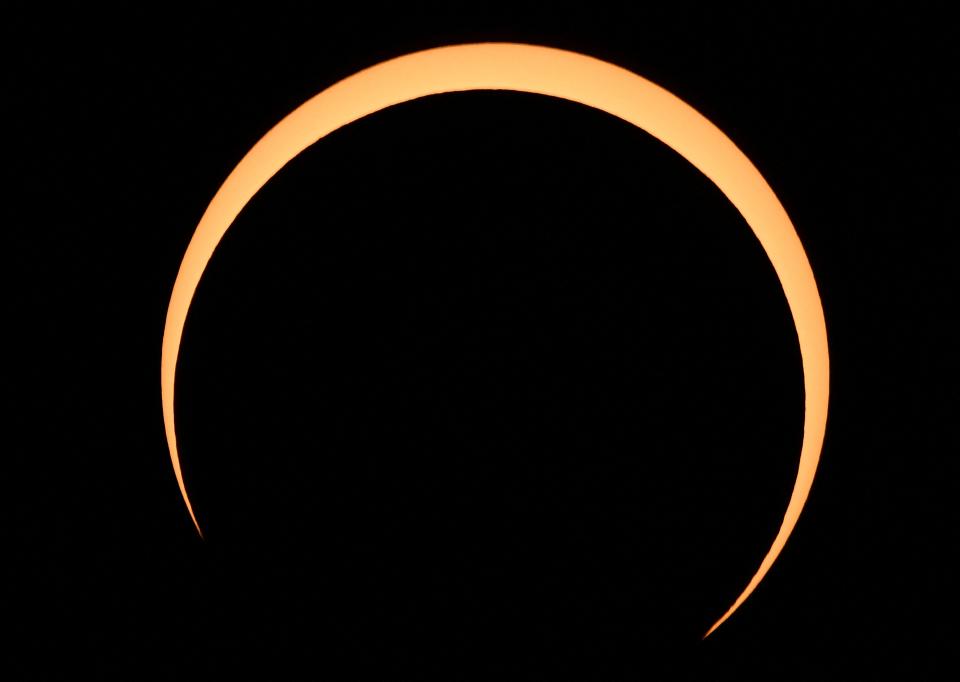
(557, 73)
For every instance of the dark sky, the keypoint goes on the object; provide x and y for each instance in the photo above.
(486, 385)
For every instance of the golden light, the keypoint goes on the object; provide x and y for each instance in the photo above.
(557, 73)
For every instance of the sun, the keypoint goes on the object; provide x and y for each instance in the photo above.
(556, 73)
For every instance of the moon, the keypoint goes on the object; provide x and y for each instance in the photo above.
(555, 73)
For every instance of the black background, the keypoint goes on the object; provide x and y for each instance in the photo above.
(486, 385)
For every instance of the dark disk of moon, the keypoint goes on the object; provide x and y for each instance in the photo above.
(556, 73)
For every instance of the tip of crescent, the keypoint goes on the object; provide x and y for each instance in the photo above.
(193, 517)
(723, 619)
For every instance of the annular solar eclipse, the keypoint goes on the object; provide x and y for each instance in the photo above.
(556, 73)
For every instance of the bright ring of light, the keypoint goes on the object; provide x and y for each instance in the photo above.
(557, 73)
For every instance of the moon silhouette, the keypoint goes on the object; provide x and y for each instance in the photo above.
(556, 73)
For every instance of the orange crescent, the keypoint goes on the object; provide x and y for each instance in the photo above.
(556, 73)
